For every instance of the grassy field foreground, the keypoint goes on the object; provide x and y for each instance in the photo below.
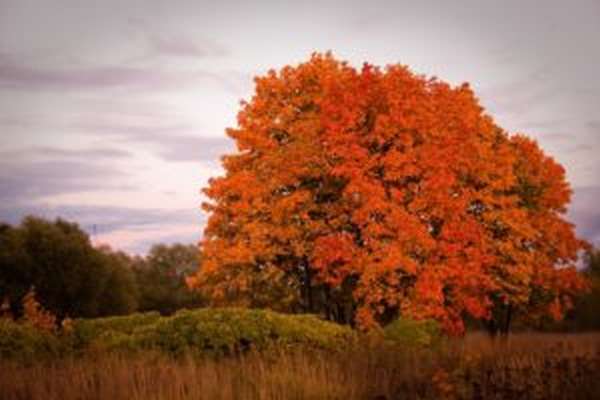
(528, 366)
(254, 354)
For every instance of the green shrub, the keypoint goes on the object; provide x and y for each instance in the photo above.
(22, 340)
(311, 330)
(411, 333)
(214, 331)
(229, 330)
(105, 331)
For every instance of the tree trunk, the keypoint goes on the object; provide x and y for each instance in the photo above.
(501, 320)
(507, 320)
(308, 290)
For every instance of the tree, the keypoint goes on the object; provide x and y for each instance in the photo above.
(368, 194)
(586, 315)
(16, 272)
(120, 289)
(70, 277)
(161, 278)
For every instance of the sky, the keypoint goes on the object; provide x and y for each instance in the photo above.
(113, 113)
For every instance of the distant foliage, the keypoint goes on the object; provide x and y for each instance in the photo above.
(74, 279)
(586, 314)
(121, 290)
(364, 195)
(161, 278)
(71, 278)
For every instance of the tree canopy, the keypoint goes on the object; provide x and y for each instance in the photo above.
(372, 193)
(56, 262)
(70, 277)
(585, 316)
(161, 278)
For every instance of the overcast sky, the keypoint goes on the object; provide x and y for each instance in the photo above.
(112, 113)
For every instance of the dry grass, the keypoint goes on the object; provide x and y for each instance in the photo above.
(526, 366)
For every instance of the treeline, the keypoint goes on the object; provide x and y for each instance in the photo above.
(72, 278)
(586, 313)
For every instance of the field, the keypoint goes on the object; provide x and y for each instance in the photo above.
(304, 359)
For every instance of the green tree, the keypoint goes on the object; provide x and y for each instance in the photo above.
(16, 272)
(586, 316)
(120, 289)
(161, 278)
(70, 276)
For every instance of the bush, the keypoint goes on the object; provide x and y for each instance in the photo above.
(23, 340)
(231, 330)
(100, 331)
(411, 333)
(204, 331)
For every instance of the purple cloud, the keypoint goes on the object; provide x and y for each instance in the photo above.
(21, 76)
(181, 46)
(170, 143)
(18, 74)
(585, 213)
(29, 182)
(521, 95)
(90, 154)
(106, 219)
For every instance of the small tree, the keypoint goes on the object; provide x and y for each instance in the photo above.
(36, 315)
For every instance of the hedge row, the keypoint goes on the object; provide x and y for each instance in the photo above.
(218, 331)
(214, 331)
(25, 341)
(206, 331)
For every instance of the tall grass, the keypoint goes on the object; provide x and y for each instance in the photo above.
(525, 366)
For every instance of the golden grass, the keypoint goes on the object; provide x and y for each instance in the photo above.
(524, 366)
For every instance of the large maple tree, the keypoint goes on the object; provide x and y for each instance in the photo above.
(372, 193)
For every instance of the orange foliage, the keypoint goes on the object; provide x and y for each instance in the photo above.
(35, 314)
(5, 311)
(397, 186)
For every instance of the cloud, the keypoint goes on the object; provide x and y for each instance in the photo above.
(174, 143)
(520, 96)
(192, 148)
(182, 46)
(585, 213)
(140, 241)
(27, 183)
(25, 74)
(107, 219)
(89, 154)
(26, 77)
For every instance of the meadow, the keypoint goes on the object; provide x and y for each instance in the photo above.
(255, 354)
